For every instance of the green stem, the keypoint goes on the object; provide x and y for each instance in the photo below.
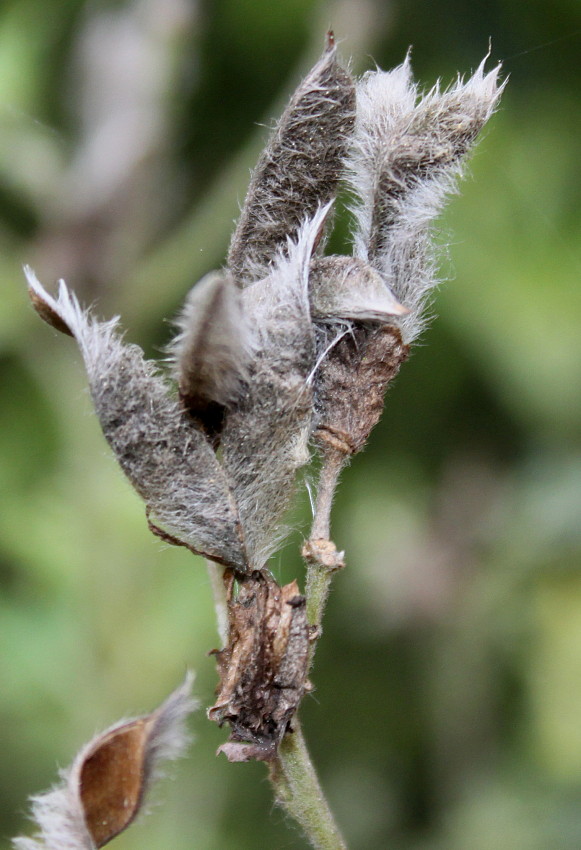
(298, 790)
(293, 776)
(333, 461)
(320, 553)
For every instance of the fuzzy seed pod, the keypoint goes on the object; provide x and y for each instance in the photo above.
(103, 791)
(299, 169)
(211, 352)
(168, 460)
(406, 157)
(265, 435)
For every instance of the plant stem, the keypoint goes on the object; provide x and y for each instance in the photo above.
(298, 790)
(320, 552)
(333, 461)
(293, 776)
(216, 574)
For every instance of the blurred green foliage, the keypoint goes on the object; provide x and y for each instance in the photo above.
(447, 710)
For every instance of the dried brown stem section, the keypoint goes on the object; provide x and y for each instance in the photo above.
(263, 669)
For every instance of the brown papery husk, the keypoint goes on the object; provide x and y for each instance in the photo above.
(263, 669)
(351, 385)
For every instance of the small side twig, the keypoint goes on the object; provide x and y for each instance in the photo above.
(319, 552)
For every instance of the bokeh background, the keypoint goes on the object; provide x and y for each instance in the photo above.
(447, 709)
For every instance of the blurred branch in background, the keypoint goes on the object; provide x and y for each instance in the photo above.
(456, 624)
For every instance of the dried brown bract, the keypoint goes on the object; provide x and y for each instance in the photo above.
(264, 667)
(351, 385)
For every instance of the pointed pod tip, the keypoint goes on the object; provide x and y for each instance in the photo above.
(44, 304)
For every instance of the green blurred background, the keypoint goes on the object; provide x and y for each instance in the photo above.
(447, 709)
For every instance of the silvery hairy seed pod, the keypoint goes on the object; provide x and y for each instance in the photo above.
(167, 458)
(299, 169)
(265, 435)
(406, 156)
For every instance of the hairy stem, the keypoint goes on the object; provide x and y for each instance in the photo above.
(292, 774)
(333, 461)
(297, 790)
(216, 574)
(319, 551)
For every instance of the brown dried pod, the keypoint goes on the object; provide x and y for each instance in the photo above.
(299, 169)
(103, 791)
(263, 669)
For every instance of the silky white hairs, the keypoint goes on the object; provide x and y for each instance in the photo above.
(285, 343)
(407, 153)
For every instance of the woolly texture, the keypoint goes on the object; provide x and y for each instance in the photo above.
(265, 436)
(211, 352)
(405, 159)
(168, 460)
(63, 815)
(347, 288)
(214, 342)
(299, 169)
(285, 333)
